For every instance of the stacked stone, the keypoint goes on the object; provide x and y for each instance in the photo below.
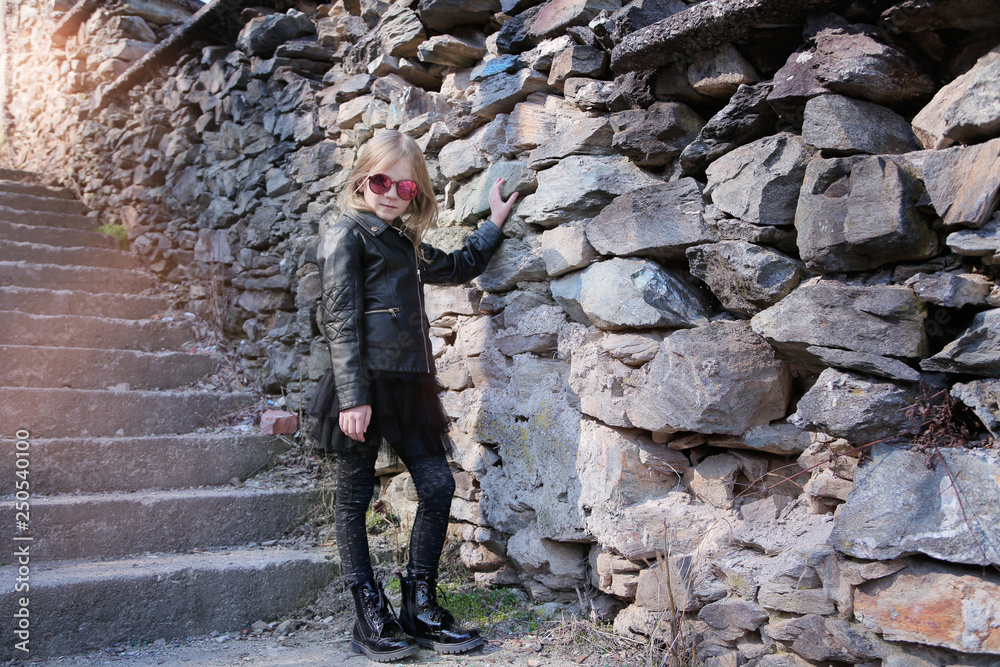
(736, 265)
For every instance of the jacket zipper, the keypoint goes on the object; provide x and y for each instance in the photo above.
(391, 311)
(420, 301)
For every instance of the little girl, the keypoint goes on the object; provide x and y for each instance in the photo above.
(382, 385)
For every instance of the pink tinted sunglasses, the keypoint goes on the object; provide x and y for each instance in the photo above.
(380, 184)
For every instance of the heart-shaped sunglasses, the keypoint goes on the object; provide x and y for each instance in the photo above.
(380, 184)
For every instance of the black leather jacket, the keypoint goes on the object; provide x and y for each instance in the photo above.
(372, 308)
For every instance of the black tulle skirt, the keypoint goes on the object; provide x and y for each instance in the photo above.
(407, 415)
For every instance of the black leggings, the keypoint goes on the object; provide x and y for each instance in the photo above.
(355, 483)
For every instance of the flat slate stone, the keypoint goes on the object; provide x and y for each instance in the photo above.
(844, 125)
(939, 503)
(704, 26)
(976, 351)
(884, 320)
(656, 221)
(855, 407)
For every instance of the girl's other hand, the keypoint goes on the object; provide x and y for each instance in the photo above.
(354, 421)
(500, 209)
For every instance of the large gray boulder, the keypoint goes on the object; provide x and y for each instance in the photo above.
(760, 182)
(856, 214)
(400, 32)
(746, 278)
(844, 125)
(656, 221)
(451, 51)
(965, 110)
(718, 378)
(630, 293)
(855, 407)
(705, 26)
(443, 15)
(472, 200)
(964, 183)
(850, 62)
(500, 92)
(573, 134)
(939, 503)
(655, 136)
(637, 14)
(516, 261)
(884, 320)
(263, 34)
(976, 351)
(579, 186)
(746, 117)
(537, 432)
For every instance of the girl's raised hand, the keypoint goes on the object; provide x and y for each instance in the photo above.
(500, 209)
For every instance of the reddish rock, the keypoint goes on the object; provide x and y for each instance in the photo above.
(278, 422)
(934, 604)
(555, 16)
(854, 65)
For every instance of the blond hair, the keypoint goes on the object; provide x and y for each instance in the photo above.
(385, 148)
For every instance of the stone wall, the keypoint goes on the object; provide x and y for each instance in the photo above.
(729, 275)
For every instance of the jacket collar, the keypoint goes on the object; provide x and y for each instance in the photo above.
(367, 221)
(371, 223)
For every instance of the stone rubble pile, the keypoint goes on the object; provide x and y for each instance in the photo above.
(730, 273)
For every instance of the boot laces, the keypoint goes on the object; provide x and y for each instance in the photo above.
(378, 609)
(435, 611)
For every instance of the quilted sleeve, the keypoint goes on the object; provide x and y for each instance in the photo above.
(340, 258)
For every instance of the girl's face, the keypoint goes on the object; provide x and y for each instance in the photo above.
(390, 205)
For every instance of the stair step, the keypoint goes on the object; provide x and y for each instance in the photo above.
(103, 526)
(92, 368)
(23, 201)
(58, 236)
(42, 301)
(19, 251)
(76, 464)
(76, 607)
(48, 219)
(94, 332)
(18, 175)
(83, 278)
(59, 413)
(37, 189)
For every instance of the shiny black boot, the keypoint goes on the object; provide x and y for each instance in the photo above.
(432, 625)
(377, 632)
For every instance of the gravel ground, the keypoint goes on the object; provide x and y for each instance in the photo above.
(311, 648)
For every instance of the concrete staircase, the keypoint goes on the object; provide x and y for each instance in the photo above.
(136, 532)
